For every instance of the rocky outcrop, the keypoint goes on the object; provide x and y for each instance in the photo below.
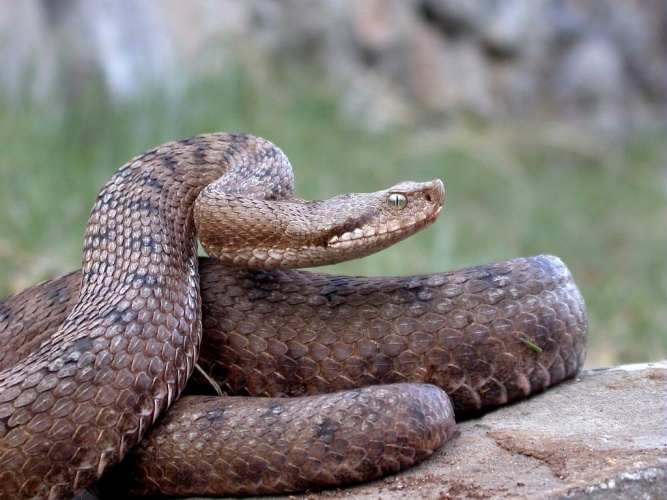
(600, 65)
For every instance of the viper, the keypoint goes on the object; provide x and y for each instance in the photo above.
(91, 361)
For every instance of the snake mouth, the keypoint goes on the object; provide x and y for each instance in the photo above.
(388, 233)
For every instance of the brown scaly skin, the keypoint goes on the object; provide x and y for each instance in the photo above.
(257, 446)
(292, 333)
(81, 398)
(275, 333)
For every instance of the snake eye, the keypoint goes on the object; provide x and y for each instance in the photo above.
(397, 201)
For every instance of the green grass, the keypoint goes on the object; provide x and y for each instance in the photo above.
(511, 190)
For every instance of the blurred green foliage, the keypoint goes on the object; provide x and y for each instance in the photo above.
(512, 190)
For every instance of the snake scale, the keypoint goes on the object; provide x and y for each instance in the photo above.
(91, 360)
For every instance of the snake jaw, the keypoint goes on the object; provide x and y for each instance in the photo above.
(384, 236)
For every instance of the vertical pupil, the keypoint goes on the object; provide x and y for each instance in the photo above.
(397, 200)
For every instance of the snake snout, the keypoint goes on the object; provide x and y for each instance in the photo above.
(437, 192)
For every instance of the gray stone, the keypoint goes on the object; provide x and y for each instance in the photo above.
(596, 66)
(591, 79)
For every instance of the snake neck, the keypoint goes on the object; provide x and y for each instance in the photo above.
(141, 230)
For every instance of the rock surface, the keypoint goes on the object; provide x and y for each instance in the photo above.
(596, 64)
(602, 435)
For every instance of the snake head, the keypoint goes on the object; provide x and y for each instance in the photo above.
(378, 220)
(253, 232)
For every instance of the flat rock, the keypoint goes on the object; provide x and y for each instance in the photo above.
(601, 435)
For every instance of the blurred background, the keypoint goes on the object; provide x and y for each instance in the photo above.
(546, 120)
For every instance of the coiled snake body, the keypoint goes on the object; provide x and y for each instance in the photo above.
(90, 361)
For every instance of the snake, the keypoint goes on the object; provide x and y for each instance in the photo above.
(93, 363)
